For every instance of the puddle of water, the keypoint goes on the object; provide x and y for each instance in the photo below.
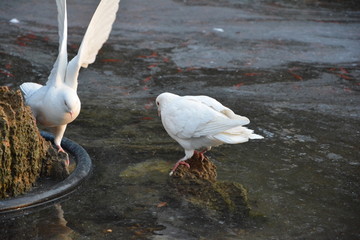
(303, 177)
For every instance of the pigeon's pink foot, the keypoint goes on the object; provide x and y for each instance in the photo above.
(67, 161)
(60, 149)
(180, 162)
(202, 157)
(202, 154)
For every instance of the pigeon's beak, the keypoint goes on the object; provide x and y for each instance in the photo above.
(159, 113)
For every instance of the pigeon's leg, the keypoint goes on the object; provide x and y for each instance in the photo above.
(60, 149)
(188, 154)
(204, 151)
(59, 133)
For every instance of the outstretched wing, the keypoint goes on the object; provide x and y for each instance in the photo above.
(96, 34)
(58, 72)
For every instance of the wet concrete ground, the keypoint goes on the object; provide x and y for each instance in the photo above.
(292, 67)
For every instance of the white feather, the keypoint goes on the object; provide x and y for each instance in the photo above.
(201, 122)
(56, 104)
(29, 88)
(57, 74)
(217, 106)
(237, 135)
(96, 34)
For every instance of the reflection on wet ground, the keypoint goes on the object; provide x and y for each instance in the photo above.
(290, 66)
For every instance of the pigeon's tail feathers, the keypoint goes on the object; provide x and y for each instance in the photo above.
(230, 138)
(232, 115)
(96, 34)
(29, 88)
(256, 136)
(237, 135)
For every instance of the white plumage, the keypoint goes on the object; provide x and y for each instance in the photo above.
(201, 122)
(56, 104)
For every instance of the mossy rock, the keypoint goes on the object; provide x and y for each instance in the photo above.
(216, 199)
(22, 149)
(201, 168)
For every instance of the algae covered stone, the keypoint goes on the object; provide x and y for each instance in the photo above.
(199, 187)
(22, 149)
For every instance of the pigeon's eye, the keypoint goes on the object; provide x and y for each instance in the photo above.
(157, 103)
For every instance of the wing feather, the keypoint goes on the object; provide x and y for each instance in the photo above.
(29, 88)
(96, 34)
(217, 106)
(189, 118)
(57, 74)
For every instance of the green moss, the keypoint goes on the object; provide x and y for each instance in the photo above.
(150, 170)
(220, 199)
(144, 168)
(217, 199)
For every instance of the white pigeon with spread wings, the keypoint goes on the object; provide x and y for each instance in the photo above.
(56, 104)
(201, 122)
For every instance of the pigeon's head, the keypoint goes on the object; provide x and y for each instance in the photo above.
(71, 103)
(163, 99)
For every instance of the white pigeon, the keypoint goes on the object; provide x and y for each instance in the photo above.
(200, 121)
(56, 104)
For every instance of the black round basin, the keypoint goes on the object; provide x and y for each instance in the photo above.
(55, 192)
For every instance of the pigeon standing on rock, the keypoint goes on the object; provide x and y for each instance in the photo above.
(56, 104)
(200, 122)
